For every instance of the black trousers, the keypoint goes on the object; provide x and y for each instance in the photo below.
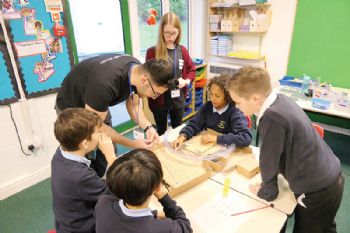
(98, 160)
(161, 118)
(320, 211)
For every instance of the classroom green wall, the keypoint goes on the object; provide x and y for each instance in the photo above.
(321, 41)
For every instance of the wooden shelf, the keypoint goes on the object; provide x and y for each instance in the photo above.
(201, 65)
(192, 104)
(189, 116)
(240, 32)
(261, 58)
(238, 6)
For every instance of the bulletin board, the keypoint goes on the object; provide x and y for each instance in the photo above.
(7, 92)
(320, 44)
(44, 59)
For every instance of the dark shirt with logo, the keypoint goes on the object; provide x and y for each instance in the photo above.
(232, 124)
(99, 82)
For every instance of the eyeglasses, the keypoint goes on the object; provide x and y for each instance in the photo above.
(169, 34)
(155, 94)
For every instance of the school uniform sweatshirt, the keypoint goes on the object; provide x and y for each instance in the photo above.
(231, 123)
(292, 147)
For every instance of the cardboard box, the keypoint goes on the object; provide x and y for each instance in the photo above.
(215, 18)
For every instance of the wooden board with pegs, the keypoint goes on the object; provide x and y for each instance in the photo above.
(180, 174)
(196, 147)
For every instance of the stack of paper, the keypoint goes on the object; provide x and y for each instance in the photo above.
(224, 45)
(214, 45)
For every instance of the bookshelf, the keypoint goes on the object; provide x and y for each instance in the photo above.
(236, 31)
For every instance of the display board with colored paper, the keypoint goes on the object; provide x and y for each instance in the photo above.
(39, 43)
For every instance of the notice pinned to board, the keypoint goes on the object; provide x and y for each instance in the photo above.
(53, 5)
(30, 48)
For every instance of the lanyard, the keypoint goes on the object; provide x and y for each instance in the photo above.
(132, 96)
(175, 66)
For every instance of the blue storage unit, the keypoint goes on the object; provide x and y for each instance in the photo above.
(195, 96)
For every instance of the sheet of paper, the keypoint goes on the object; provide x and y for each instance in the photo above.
(215, 215)
(285, 201)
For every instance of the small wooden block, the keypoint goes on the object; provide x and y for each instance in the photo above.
(248, 167)
(246, 150)
(217, 165)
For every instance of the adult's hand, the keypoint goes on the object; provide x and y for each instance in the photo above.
(152, 136)
(142, 144)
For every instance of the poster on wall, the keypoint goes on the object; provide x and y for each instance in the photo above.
(7, 92)
(40, 43)
(9, 10)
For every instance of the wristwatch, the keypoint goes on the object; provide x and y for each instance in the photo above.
(147, 128)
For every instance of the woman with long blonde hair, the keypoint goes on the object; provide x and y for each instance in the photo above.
(168, 47)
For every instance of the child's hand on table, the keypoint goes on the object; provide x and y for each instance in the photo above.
(208, 138)
(178, 142)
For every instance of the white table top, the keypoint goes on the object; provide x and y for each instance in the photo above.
(285, 201)
(209, 212)
(198, 202)
(306, 104)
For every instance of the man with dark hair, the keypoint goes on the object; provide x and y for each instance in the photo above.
(106, 80)
(132, 179)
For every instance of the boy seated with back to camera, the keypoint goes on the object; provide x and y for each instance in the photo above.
(133, 178)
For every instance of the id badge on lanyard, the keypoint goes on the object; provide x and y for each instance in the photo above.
(175, 93)
(137, 133)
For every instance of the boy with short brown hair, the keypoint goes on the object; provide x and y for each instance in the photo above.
(292, 147)
(75, 186)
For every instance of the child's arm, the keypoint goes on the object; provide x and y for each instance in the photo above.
(196, 124)
(90, 187)
(239, 133)
(274, 136)
(106, 146)
(176, 213)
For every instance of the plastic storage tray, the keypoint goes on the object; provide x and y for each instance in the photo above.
(291, 82)
(320, 103)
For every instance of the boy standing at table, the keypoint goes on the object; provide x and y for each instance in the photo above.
(292, 147)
